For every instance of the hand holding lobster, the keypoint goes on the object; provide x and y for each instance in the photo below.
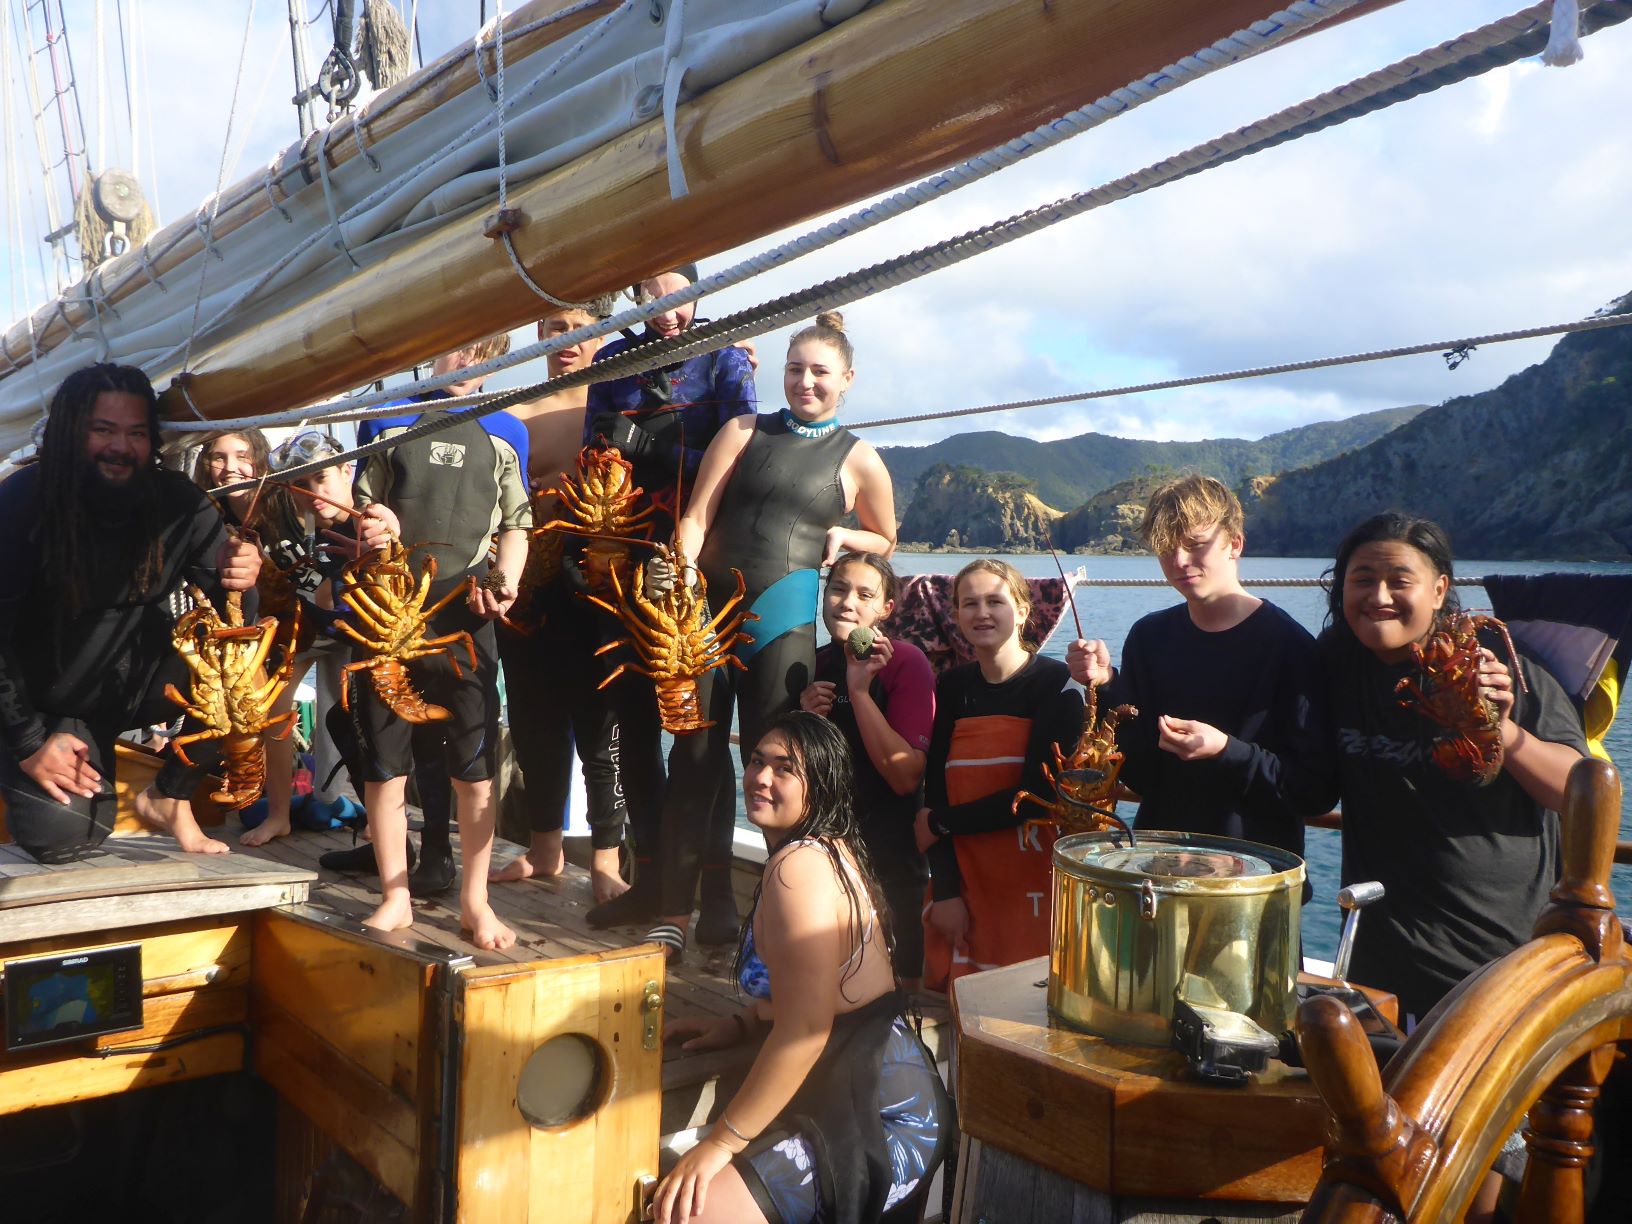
(1467, 691)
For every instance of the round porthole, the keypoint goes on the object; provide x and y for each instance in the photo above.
(564, 1081)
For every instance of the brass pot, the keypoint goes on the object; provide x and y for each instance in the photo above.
(1132, 924)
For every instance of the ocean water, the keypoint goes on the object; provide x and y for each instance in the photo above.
(1109, 612)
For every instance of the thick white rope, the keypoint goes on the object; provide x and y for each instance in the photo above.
(1243, 44)
(1448, 348)
(1472, 54)
(452, 149)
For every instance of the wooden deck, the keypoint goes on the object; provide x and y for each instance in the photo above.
(548, 918)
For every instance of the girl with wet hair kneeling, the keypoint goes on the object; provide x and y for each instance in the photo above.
(842, 1116)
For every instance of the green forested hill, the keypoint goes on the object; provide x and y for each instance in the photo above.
(1070, 471)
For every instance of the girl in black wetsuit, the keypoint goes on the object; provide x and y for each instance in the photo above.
(769, 496)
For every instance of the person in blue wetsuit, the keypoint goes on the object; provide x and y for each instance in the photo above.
(769, 497)
(842, 1116)
(662, 422)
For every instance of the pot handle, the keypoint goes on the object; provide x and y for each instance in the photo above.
(1147, 899)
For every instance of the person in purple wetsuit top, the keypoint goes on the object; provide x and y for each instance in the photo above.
(883, 701)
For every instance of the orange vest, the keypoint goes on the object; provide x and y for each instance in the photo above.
(1007, 872)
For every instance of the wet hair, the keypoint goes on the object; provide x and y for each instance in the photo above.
(821, 760)
(1392, 526)
(885, 571)
(827, 329)
(1186, 506)
(489, 347)
(65, 478)
(1012, 578)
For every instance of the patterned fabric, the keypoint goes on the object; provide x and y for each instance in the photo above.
(924, 616)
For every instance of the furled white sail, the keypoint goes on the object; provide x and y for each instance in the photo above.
(283, 237)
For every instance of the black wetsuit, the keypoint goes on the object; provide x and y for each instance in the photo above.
(771, 526)
(101, 671)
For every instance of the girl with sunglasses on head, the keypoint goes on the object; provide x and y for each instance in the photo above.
(842, 1116)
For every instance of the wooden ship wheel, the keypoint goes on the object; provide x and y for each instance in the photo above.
(1528, 1039)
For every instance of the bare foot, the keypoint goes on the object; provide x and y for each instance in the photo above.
(175, 817)
(396, 913)
(605, 877)
(527, 866)
(264, 832)
(484, 929)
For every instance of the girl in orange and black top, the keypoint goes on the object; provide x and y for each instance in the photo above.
(996, 722)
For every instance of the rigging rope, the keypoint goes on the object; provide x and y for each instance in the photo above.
(215, 200)
(1595, 323)
(1297, 18)
(1492, 46)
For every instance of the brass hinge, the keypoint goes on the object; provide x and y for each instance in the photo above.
(651, 1006)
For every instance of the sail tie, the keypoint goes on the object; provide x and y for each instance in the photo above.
(147, 266)
(1564, 35)
(674, 75)
(357, 128)
(328, 197)
(505, 226)
(266, 186)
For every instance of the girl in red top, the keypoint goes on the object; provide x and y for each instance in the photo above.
(997, 720)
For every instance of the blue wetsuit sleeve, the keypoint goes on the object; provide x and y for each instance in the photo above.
(21, 728)
(733, 395)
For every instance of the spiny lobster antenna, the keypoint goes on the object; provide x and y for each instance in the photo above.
(1070, 598)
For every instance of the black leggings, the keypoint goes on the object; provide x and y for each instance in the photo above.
(554, 706)
(699, 809)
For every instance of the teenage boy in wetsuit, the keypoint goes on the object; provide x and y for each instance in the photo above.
(94, 538)
(1229, 738)
(662, 422)
(550, 668)
(444, 495)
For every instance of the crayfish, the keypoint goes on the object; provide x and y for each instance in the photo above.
(673, 642)
(1088, 776)
(231, 693)
(390, 606)
(543, 566)
(1446, 691)
(601, 503)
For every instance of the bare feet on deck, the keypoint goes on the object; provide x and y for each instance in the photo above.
(534, 864)
(265, 831)
(396, 913)
(175, 817)
(483, 928)
(605, 877)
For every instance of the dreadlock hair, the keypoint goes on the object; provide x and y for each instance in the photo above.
(821, 760)
(64, 477)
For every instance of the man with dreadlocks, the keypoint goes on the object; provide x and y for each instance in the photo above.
(93, 540)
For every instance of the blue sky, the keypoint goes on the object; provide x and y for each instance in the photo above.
(1499, 203)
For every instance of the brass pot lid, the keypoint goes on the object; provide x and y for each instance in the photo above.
(1178, 862)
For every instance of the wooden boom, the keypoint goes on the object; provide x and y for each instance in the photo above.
(897, 92)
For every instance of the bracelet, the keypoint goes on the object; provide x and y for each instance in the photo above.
(726, 1122)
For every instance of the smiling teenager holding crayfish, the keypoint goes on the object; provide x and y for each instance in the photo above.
(769, 496)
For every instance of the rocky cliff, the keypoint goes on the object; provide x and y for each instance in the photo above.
(1069, 471)
(963, 506)
(1109, 522)
(1539, 467)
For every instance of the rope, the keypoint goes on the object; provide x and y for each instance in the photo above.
(1245, 581)
(215, 201)
(1448, 347)
(1243, 44)
(328, 197)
